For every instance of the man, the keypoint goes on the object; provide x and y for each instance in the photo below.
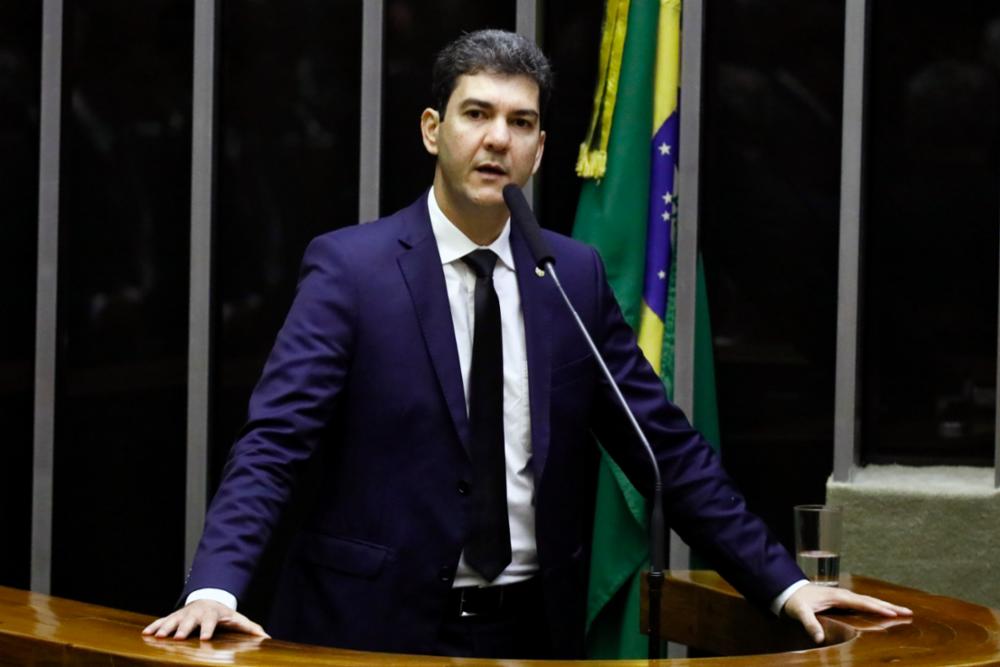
(455, 406)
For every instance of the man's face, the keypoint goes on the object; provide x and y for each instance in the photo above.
(489, 137)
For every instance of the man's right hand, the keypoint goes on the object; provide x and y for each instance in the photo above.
(206, 614)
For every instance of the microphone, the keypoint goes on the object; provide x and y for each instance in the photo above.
(521, 215)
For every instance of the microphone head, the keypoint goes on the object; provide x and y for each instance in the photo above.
(516, 202)
(521, 215)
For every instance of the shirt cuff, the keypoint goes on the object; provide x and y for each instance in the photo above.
(218, 595)
(779, 602)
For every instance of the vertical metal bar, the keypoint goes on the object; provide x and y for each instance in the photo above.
(47, 293)
(526, 19)
(370, 159)
(996, 435)
(527, 24)
(845, 427)
(692, 32)
(200, 304)
(687, 215)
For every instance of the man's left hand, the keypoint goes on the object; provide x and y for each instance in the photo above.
(806, 602)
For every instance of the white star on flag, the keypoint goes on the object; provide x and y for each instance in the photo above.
(662, 275)
(664, 149)
(666, 216)
(667, 198)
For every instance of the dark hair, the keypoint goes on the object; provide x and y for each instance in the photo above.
(493, 52)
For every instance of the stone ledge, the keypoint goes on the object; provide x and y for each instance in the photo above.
(936, 528)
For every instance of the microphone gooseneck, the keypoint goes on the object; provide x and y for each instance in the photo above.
(521, 215)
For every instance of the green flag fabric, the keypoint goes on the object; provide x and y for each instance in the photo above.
(628, 211)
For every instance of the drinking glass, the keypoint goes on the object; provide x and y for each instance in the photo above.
(817, 543)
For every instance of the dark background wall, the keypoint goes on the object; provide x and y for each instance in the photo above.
(122, 299)
(769, 225)
(20, 64)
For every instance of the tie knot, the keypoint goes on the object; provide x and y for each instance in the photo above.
(482, 262)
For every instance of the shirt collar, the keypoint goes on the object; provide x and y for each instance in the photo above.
(453, 244)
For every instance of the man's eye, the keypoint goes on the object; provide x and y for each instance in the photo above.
(474, 114)
(523, 123)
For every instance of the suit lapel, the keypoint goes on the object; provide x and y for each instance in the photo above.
(421, 268)
(535, 306)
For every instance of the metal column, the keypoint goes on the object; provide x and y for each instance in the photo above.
(527, 24)
(692, 34)
(200, 305)
(370, 158)
(845, 438)
(47, 293)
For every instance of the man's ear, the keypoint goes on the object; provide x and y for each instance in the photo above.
(430, 121)
(539, 151)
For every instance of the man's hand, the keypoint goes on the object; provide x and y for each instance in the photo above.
(810, 599)
(208, 614)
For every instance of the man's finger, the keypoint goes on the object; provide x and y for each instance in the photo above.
(208, 626)
(187, 624)
(152, 627)
(812, 626)
(874, 605)
(243, 624)
(167, 625)
(902, 611)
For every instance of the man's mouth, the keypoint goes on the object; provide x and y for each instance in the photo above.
(491, 169)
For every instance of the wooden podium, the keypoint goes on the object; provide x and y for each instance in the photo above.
(699, 609)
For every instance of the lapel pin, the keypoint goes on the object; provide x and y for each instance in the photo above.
(539, 272)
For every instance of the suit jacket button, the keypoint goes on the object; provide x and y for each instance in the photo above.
(463, 488)
(445, 573)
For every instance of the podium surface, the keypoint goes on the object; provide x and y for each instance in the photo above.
(698, 609)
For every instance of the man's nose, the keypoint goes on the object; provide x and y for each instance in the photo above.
(498, 135)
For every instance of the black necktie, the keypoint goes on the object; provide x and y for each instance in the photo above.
(488, 549)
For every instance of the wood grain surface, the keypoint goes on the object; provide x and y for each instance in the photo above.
(698, 609)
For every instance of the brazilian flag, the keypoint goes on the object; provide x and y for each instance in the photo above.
(628, 211)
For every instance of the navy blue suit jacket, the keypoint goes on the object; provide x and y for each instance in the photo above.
(366, 369)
